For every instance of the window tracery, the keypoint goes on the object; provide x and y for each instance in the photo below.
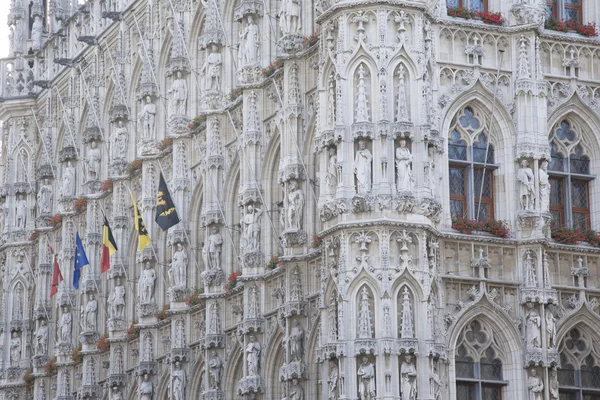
(579, 374)
(471, 167)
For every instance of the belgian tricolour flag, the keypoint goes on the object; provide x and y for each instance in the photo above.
(166, 214)
(109, 247)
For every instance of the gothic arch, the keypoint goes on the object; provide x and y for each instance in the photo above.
(233, 371)
(273, 195)
(407, 279)
(161, 390)
(314, 368)
(232, 214)
(508, 343)
(197, 376)
(275, 358)
(581, 317)
(361, 279)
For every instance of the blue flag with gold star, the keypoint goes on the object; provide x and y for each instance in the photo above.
(80, 261)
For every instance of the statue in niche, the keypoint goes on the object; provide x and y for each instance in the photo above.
(214, 323)
(436, 384)
(15, 348)
(332, 381)
(253, 356)
(117, 300)
(544, 186)
(295, 206)
(178, 382)
(69, 180)
(21, 211)
(118, 142)
(251, 228)
(66, 323)
(550, 329)
(332, 175)
(17, 306)
(404, 168)
(215, 365)
(178, 95)
(249, 43)
(215, 242)
(533, 329)
(178, 270)
(41, 338)
(526, 186)
(116, 394)
(146, 284)
(553, 383)
(93, 162)
(212, 69)
(146, 389)
(331, 101)
(44, 198)
(290, 16)
(147, 355)
(91, 309)
(430, 170)
(362, 168)
(535, 386)
(366, 380)
(408, 379)
(147, 118)
(295, 392)
(296, 340)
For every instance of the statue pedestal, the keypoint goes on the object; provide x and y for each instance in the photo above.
(293, 370)
(291, 43)
(533, 225)
(177, 295)
(250, 384)
(146, 312)
(294, 237)
(213, 279)
(116, 324)
(147, 147)
(177, 125)
(213, 394)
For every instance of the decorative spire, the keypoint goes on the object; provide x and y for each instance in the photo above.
(402, 114)
(365, 325)
(407, 330)
(362, 102)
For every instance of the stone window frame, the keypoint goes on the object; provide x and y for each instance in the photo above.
(558, 9)
(580, 362)
(467, 4)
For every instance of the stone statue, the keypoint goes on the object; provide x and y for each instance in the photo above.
(146, 284)
(249, 43)
(118, 142)
(553, 384)
(178, 270)
(526, 186)
(17, 305)
(91, 310)
(69, 180)
(93, 162)
(535, 386)
(253, 356)
(366, 380)
(251, 228)
(215, 365)
(550, 329)
(178, 95)
(533, 330)
(116, 394)
(146, 390)
(295, 392)
(147, 355)
(295, 206)
(41, 338)
(212, 69)
(544, 186)
(37, 32)
(214, 322)
(44, 198)
(436, 384)
(21, 212)
(408, 379)
(178, 382)
(15, 348)
(146, 119)
(430, 170)
(117, 300)
(332, 176)
(362, 168)
(296, 340)
(332, 382)
(215, 241)
(331, 101)
(290, 16)
(66, 323)
(404, 168)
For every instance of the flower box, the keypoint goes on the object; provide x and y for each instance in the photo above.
(270, 69)
(106, 185)
(198, 122)
(50, 367)
(317, 241)
(133, 167)
(487, 17)
(494, 227)
(55, 221)
(133, 332)
(80, 205)
(34, 235)
(561, 25)
(165, 144)
(163, 314)
(234, 94)
(76, 355)
(195, 298)
(232, 281)
(311, 40)
(102, 344)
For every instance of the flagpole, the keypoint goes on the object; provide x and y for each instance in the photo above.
(35, 284)
(68, 295)
(43, 142)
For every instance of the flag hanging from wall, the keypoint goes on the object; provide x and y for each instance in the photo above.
(81, 260)
(140, 227)
(109, 247)
(166, 214)
(57, 277)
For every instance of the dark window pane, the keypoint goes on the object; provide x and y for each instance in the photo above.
(580, 221)
(579, 194)
(465, 391)
(580, 165)
(566, 376)
(468, 121)
(590, 377)
(557, 160)
(482, 211)
(576, 2)
(556, 192)
(452, 3)
(479, 148)
(588, 396)
(565, 132)
(549, 11)
(572, 15)
(567, 395)
(457, 181)
(457, 209)
(483, 187)
(491, 370)
(457, 147)
(557, 217)
(465, 367)
(491, 393)
(476, 5)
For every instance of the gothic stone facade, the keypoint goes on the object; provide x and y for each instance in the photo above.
(317, 154)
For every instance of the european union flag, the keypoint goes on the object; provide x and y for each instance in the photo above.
(80, 260)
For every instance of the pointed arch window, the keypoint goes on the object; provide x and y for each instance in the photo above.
(569, 172)
(478, 365)
(471, 167)
(579, 374)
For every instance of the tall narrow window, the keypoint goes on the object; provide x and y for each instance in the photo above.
(471, 168)
(569, 171)
(478, 366)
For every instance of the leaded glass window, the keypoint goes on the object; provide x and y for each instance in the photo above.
(471, 167)
(569, 170)
(579, 374)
